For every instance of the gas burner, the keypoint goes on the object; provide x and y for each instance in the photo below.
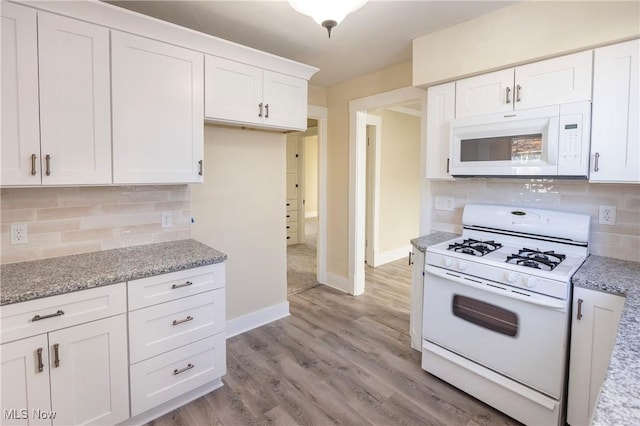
(474, 247)
(546, 260)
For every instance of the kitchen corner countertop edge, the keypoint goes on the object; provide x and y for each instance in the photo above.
(24, 281)
(618, 403)
(422, 243)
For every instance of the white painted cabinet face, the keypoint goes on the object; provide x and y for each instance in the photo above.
(244, 94)
(75, 105)
(615, 134)
(440, 112)
(158, 111)
(555, 81)
(20, 114)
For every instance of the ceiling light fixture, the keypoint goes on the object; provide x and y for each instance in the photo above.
(327, 13)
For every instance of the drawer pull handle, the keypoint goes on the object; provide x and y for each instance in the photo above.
(579, 316)
(182, 370)
(40, 364)
(508, 99)
(47, 162)
(56, 355)
(518, 89)
(187, 284)
(187, 319)
(33, 164)
(200, 167)
(38, 317)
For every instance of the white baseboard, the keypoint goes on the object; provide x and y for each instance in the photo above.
(391, 255)
(256, 319)
(309, 215)
(337, 282)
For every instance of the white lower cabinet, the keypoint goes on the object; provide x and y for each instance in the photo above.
(417, 287)
(594, 327)
(72, 371)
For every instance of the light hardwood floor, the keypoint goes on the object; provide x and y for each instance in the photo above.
(337, 359)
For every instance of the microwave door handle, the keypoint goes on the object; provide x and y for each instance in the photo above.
(560, 304)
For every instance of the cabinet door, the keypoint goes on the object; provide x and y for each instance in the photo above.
(485, 94)
(20, 120)
(593, 335)
(90, 383)
(555, 81)
(440, 112)
(158, 111)
(417, 288)
(75, 110)
(615, 138)
(25, 381)
(233, 91)
(285, 101)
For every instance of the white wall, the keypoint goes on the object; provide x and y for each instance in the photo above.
(240, 210)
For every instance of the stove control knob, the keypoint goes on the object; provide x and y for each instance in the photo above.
(448, 262)
(512, 277)
(462, 265)
(531, 282)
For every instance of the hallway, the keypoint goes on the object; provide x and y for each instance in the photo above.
(302, 260)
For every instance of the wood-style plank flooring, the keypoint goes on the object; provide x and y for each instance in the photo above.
(337, 359)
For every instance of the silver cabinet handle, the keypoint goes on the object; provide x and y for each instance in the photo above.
(508, 100)
(595, 165)
(39, 318)
(33, 164)
(47, 161)
(518, 89)
(200, 167)
(448, 160)
(410, 262)
(40, 364)
(56, 355)
(182, 370)
(260, 106)
(187, 284)
(579, 316)
(187, 319)
(266, 107)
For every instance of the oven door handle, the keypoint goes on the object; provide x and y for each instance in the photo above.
(547, 302)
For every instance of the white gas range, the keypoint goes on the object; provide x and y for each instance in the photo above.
(496, 307)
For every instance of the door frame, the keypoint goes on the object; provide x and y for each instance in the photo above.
(373, 205)
(320, 114)
(357, 173)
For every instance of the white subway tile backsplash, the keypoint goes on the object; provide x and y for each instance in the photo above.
(63, 221)
(620, 241)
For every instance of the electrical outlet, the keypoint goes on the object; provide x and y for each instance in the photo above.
(445, 203)
(607, 215)
(166, 220)
(19, 234)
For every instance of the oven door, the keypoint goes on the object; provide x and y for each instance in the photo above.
(521, 337)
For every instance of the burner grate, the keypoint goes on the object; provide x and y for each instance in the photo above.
(545, 260)
(475, 247)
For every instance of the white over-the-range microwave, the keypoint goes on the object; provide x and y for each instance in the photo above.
(538, 142)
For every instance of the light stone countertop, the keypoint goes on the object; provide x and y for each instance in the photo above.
(422, 243)
(619, 402)
(20, 282)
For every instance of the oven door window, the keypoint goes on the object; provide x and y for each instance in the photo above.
(485, 315)
(517, 148)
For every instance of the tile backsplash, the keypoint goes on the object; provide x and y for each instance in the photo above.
(64, 221)
(621, 240)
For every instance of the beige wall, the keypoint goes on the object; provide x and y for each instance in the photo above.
(240, 210)
(620, 241)
(310, 175)
(399, 180)
(64, 221)
(338, 98)
(521, 33)
(317, 96)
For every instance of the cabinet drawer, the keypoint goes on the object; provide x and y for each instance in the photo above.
(20, 320)
(164, 327)
(167, 376)
(163, 288)
(292, 216)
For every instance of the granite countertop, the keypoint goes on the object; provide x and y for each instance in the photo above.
(619, 403)
(422, 243)
(20, 282)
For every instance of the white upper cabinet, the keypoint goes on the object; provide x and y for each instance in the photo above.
(158, 111)
(75, 110)
(440, 112)
(615, 139)
(244, 94)
(20, 121)
(555, 81)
